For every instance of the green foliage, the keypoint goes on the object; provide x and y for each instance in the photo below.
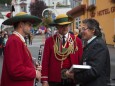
(5, 1)
(47, 21)
(37, 8)
(113, 38)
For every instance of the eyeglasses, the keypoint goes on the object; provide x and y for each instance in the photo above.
(83, 28)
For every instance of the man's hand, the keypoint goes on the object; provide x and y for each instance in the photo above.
(45, 84)
(39, 68)
(38, 74)
(69, 74)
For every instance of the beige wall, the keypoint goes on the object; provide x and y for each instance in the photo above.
(106, 9)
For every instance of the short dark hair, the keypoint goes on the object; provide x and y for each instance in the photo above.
(93, 24)
(15, 25)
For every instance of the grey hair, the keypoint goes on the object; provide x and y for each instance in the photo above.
(93, 24)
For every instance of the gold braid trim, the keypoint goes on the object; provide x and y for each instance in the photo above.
(76, 47)
(63, 54)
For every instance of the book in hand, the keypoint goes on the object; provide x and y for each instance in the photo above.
(78, 68)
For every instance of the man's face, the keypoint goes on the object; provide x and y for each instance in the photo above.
(62, 29)
(86, 32)
(26, 28)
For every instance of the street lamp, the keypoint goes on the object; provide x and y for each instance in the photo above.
(45, 12)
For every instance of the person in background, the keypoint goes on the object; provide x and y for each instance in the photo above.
(18, 69)
(5, 39)
(61, 51)
(103, 35)
(26, 38)
(30, 38)
(96, 55)
(48, 32)
(1, 43)
(76, 32)
(55, 31)
(80, 32)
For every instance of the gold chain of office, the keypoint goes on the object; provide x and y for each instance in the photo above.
(63, 54)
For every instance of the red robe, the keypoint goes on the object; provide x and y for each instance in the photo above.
(18, 69)
(51, 67)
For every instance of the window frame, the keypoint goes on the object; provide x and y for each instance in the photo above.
(92, 2)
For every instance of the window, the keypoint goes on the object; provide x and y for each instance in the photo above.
(78, 22)
(74, 3)
(23, 8)
(92, 2)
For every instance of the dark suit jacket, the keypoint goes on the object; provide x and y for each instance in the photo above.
(96, 55)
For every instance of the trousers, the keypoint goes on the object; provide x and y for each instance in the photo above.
(65, 82)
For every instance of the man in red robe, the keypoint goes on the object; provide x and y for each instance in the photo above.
(61, 51)
(18, 69)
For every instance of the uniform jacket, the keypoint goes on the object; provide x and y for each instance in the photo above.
(51, 67)
(18, 69)
(96, 55)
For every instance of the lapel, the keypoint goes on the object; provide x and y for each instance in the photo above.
(89, 45)
(87, 49)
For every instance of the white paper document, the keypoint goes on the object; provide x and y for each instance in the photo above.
(79, 67)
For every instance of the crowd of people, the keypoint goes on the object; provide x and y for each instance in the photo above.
(61, 51)
(3, 39)
(4, 35)
(28, 38)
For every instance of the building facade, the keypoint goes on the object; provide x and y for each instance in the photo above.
(101, 10)
(53, 2)
(21, 5)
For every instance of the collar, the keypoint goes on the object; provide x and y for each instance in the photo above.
(18, 34)
(66, 35)
(91, 39)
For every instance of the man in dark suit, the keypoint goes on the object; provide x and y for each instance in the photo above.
(96, 55)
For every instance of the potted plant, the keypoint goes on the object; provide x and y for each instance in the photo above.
(113, 38)
(91, 7)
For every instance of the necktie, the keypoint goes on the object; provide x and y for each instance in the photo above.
(63, 40)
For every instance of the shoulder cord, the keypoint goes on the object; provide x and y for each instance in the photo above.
(65, 54)
(75, 44)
